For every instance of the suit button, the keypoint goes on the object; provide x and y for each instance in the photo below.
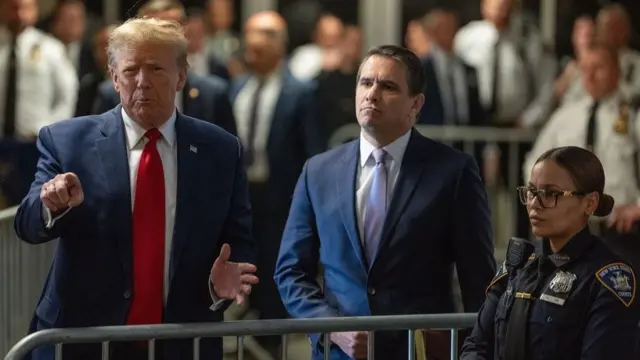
(127, 294)
(371, 291)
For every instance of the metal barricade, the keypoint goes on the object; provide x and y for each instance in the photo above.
(23, 270)
(502, 198)
(239, 329)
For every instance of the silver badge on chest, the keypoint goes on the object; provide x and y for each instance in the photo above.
(562, 282)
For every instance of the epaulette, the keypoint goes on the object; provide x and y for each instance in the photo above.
(501, 274)
(620, 279)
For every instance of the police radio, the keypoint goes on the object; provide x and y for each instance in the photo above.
(518, 252)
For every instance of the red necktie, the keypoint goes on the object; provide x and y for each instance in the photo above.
(148, 237)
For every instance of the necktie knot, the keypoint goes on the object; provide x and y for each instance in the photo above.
(153, 135)
(379, 155)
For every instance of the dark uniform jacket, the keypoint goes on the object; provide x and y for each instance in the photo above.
(579, 305)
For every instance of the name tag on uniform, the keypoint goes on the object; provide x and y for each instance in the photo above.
(558, 289)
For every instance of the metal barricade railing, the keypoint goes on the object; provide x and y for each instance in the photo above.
(24, 267)
(239, 329)
(23, 270)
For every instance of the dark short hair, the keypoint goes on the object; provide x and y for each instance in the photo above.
(585, 170)
(416, 80)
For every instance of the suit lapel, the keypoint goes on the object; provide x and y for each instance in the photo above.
(409, 178)
(187, 188)
(347, 197)
(112, 154)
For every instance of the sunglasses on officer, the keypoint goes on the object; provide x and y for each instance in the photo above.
(548, 198)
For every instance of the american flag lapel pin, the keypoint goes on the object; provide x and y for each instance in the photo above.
(193, 149)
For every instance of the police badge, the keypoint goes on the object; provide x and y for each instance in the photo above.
(35, 54)
(563, 282)
(558, 289)
(621, 125)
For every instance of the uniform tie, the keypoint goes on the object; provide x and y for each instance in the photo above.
(591, 127)
(532, 278)
(148, 237)
(376, 206)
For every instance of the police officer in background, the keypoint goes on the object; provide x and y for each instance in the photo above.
(565, 296)
(606, 123)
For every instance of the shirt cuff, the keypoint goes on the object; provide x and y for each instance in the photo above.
(49, 220)
(217, 303)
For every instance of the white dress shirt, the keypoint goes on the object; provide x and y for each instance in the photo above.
(475, 42)
(365, 173)
(73, 51)
(568, 127)
(259, 170)
(47, 81)
(305, 62)
(198, 63)
(445, 65)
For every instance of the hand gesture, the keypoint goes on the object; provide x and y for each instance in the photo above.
(624, 217)
(232, 281)
(352, 343)
(62, 192)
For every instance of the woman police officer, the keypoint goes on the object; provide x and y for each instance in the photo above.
(565, 296)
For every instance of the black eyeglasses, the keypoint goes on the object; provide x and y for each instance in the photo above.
(548, 198)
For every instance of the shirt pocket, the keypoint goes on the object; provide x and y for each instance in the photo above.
(559, 326)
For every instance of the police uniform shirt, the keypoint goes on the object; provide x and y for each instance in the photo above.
(615, 149)
(47, 81)
(582, 309)
(518, 65)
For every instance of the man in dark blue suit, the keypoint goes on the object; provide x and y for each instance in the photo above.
(280, 129)
(451, 94)
(142, 199)
(205, 98)
(385, 251)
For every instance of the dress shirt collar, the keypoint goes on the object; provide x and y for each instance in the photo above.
(395, 149)
(135, 132)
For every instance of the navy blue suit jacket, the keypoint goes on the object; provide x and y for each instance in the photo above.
(204, 97)
(438, 217)
(90, 282)
(297, 133)
(432, 112)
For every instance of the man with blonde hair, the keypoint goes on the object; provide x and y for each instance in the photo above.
(204, 97)
(147, 205)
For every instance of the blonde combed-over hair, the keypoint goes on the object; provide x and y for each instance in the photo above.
(139, 31)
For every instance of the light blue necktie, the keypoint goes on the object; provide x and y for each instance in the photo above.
(376, 206)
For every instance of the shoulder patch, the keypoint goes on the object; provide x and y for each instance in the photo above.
(620, 279)
(500, 274)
